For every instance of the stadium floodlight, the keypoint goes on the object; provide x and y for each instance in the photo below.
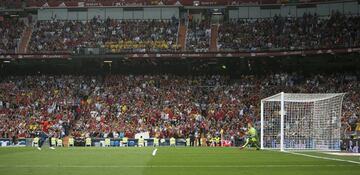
(196, 3)
(295, 121)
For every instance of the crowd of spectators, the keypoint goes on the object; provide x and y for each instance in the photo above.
(163, 105)
(10, 4)
(306, 32)
(27, 102)
(285, 33)
(115, 35)
(143, 36)
(10, 33)
(278, 33)
(198, 36)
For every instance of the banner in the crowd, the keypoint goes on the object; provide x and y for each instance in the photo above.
(102, 3)
(105, 3)
(100, 142)
(348, 145)
(34, 56)
(144, 135)
(116, 142)
(10, 142)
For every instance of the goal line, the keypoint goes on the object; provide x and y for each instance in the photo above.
(323, 157)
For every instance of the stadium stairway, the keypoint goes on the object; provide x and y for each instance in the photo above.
(213, 39)
(182, 36)
(25, 39)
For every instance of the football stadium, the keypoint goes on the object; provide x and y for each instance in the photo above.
(263, 87)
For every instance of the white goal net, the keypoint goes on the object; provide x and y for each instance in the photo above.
(309, 121)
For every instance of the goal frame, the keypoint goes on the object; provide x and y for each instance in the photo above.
(282, 100)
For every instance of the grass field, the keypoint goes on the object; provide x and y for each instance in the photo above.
(133, 161)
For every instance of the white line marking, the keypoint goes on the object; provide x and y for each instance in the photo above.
(154, 152)
(325, 158)
(342, 154)
(171, 166)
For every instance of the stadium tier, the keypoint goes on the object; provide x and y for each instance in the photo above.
(102, 106)
(287, 33)
(198, 36)
(117, 106)
(10, 32)
(278, 33)
(117, 36)
(179, 87)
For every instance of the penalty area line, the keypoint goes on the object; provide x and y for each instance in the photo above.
(324, 158)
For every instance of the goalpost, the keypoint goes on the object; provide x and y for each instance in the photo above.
(294, 121)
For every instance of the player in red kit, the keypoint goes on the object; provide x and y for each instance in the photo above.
(44, 134)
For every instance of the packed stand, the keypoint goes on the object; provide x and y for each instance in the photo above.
(165, 106)
(10, 34)
(115, 35)
(10, 4)
(288, 33)
(28, 104)
(142, 36)
(198, 36)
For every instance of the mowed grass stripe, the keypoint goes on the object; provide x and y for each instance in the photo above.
(209, 156)
(170, 166)
(168, 160)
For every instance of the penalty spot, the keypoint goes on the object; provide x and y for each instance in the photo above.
(154, 152)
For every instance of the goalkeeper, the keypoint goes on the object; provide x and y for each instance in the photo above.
(252, 138)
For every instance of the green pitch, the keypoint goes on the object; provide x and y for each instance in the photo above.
(187, 161)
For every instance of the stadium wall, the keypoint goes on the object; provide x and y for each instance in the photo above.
(349, 145)
(83, 14)
(293, 10)
(114, 142)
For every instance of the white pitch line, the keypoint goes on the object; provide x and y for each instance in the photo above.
(171, 166)
(154, 152)
(342, 154)
(325, 158)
